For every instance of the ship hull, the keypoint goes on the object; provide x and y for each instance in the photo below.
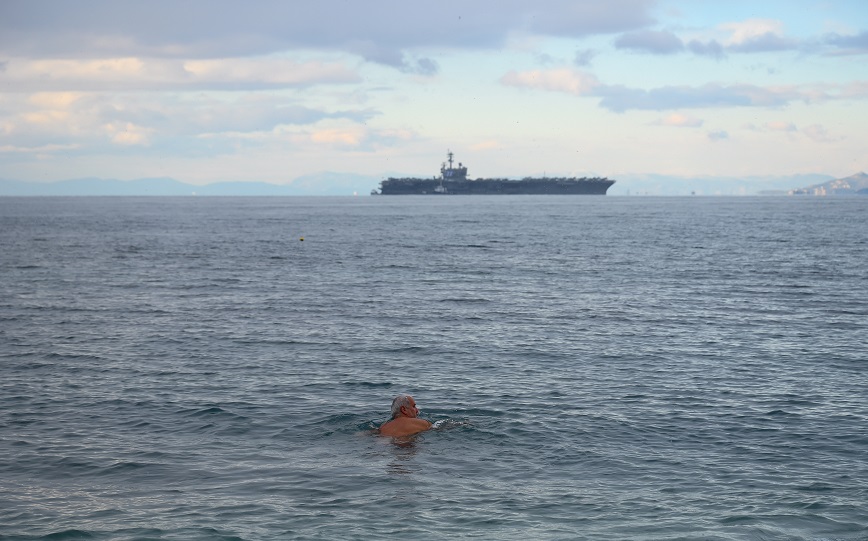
(526, 186)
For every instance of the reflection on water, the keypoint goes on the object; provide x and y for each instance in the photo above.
(404, 451)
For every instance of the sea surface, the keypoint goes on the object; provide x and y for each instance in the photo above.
(600, 368)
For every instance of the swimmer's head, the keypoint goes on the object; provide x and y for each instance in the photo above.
(403, 401)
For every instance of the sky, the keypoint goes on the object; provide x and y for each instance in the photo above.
(208, 91)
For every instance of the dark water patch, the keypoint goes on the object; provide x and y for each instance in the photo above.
(209, 411)
(368, 384)
(68, 535)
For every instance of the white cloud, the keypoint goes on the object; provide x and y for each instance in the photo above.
(781, 125)
(818, 133)
(556, 80)
(489, 144)
(54, 100)
(758, 35)
(195, 124)
(680, 120)
(45, 117)
(132, 73)
(752, 29)
(37, 149)
(128, 134)
(352, 136)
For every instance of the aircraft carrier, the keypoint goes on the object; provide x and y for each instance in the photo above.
(454, 181)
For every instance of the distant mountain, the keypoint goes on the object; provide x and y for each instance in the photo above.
(96, 186)
(671, 185)
(853, 185)
(327, 183)
(330, 183)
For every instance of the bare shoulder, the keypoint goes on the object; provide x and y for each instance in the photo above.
(404, 427)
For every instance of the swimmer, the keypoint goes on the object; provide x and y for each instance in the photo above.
(405, 418)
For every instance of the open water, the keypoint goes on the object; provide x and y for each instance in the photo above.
(599, 368)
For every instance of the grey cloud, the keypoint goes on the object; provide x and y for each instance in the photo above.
(378, 30)
(544, 59)
(767, 42)
(651, 41)
(572, 18)
(711, 48)
(426, 66)
(718, 135)
(855, 44)
(620, 99)
(372, 51)
(584, 57)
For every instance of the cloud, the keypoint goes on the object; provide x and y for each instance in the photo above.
(780, 125)
(620, 98)
(818, 133)
(485, 145)
(679, 120)
(568, 18)
(765, 43)
(748, 36)
(339, 137)
(43, 149)
(128, 134)
(53, 100)
(854, 90)
(380, 31)
(584, 57)
(718, 135)
(426, 66)
(814, 132)
(355, 138)
(187, 122)
(849, 44)
(273, 72)
(711, 48)
(557, 80)
(651, 41)
(132, 73)
(748, 30)
(758, 35)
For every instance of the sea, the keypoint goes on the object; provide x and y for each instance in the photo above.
(596, 368)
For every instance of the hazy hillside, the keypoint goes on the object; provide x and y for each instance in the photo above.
(671, 185)
(329, 183)
(853, 185)
(323, 184)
